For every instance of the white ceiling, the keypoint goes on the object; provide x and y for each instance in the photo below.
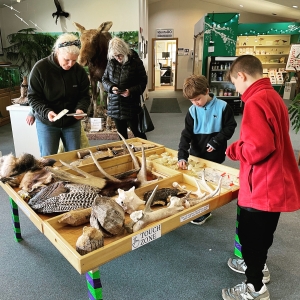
(282, 8)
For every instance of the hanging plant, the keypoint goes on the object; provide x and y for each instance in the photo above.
(28, 47)
(294, 111)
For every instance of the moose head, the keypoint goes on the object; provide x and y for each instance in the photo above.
(94, 42)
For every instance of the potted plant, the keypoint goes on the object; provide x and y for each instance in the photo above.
(294, 109)
(27, 47)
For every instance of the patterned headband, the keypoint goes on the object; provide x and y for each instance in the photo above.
(65, 44)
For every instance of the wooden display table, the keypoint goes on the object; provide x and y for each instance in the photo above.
(64, 237)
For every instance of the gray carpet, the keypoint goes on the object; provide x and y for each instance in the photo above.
(165, 105)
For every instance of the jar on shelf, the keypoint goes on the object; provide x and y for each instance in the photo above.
(221, 92)
(225, 92)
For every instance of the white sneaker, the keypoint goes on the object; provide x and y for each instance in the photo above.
(245, 291)
(239, 266)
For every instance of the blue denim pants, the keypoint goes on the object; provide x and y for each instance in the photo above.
(49, 137)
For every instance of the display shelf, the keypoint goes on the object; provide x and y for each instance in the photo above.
(217, 69)
(266, 48)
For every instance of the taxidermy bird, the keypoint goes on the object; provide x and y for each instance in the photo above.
(59, 12)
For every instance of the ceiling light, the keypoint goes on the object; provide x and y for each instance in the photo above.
(295, 6)
(241, 5)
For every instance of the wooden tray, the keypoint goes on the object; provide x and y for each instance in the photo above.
(71, 156)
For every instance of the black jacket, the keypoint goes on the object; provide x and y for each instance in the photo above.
(131, 76)
(213, 124)
(52, 88)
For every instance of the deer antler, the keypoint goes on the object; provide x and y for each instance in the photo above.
(142, 174)
(88, 179)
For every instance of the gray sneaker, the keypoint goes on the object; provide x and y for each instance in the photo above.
(245, 291)
(239, 266)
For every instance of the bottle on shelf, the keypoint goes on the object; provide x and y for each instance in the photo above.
(219, 76)
(213, 76)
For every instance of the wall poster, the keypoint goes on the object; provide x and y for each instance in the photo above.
(293, 62)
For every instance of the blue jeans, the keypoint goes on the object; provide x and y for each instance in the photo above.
(49, 137)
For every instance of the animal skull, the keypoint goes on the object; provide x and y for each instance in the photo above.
(129, 200)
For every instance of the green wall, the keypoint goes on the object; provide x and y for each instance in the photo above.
(222, 29)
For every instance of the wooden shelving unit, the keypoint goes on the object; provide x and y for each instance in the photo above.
(271, 50)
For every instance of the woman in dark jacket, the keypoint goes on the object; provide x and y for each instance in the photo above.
(125, 80)
(58, 82)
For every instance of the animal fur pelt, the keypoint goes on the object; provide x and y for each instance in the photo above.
(162, 196)
(111, 187)
(76, 196)
(33, 180)
(13, 169)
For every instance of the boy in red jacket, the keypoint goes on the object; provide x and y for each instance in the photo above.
(269, 174)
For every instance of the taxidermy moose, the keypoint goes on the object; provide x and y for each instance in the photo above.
(93, 53)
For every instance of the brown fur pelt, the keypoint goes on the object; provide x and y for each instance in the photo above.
(13, 169)
(163, 195)
(111, 187)
(35, 179)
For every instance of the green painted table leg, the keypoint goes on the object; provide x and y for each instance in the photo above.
(237, 245)
(94, 284)
(16, 220)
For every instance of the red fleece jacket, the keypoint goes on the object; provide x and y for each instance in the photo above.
(269, 174)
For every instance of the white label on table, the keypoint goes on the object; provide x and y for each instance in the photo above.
(193, 214)
(146, 237)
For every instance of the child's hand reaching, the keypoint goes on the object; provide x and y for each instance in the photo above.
(182, 165)
(210, 148)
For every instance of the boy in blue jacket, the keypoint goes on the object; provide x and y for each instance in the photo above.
(209, 123)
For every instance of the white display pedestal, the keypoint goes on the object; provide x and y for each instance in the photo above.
(25, 136)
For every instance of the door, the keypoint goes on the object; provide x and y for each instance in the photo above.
(164, 64)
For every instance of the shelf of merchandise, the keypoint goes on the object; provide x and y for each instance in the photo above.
(266, 48)
(217, 69)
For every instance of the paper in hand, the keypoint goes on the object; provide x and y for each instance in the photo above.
(61, 114)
